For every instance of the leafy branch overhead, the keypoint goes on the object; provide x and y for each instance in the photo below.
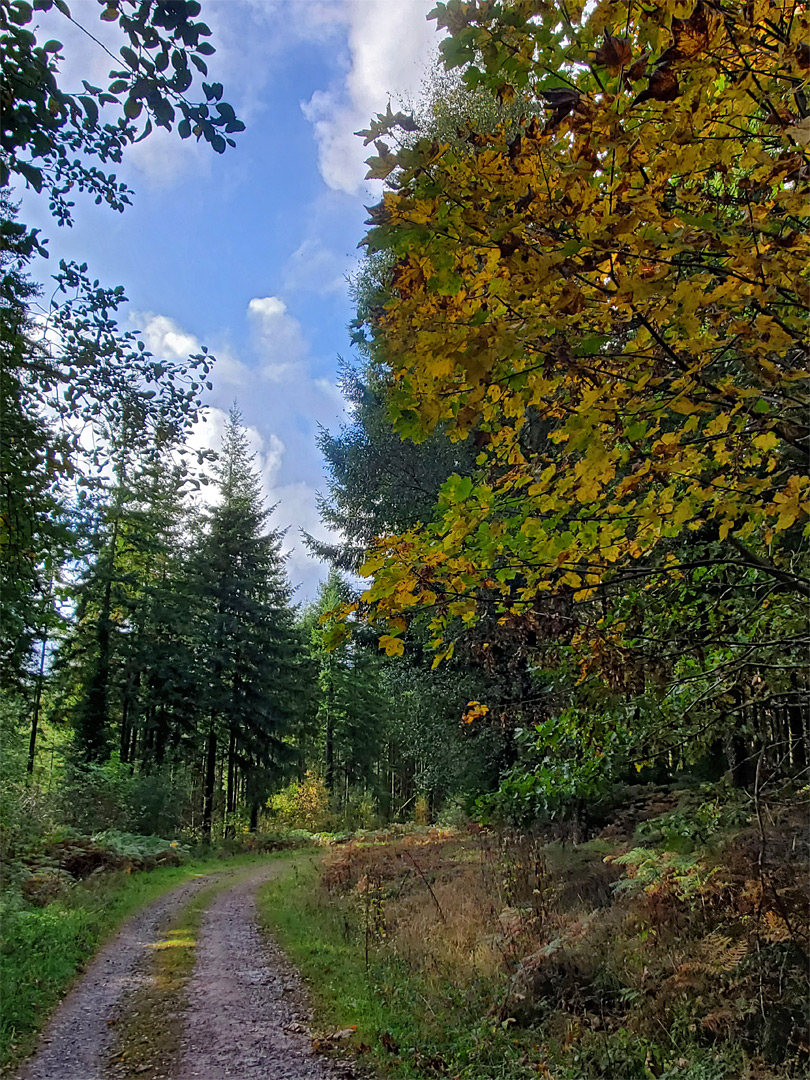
(607, 291)
(150, 79)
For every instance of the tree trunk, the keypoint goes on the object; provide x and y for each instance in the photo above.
(208, 791)
(230, 798)
(329, 770)
(93, 720)
(123, 751)
(161, 736)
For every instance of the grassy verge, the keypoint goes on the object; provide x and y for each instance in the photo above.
(408, 1025)
(45, 948)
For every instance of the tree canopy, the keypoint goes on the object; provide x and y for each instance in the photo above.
(612, 294)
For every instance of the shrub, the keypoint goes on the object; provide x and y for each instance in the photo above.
(304, 805)
(421, 810)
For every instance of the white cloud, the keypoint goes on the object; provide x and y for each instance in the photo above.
(391, 45)
(387, 45)
(315, 268)
(166, 339)
(164, 158)
(279, 338)
(297, 509)
(267, 307)
(169, 341)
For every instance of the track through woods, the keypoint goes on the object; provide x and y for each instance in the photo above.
(187, 990)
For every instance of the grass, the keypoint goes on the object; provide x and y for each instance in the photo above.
(497, 958)
(407, 1025)
(45, 948)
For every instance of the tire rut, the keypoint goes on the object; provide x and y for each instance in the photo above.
(77, 1041)
(246, 1006)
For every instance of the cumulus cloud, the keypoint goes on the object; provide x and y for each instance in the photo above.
(387, 45)
(296, 508)
(391, 46)
(279, 338)
(165, 338)
(169, 341)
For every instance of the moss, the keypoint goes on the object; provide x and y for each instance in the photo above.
(147, 1035)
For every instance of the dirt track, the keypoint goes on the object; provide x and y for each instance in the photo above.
(243, 1011)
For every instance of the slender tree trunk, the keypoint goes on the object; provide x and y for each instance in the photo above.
(94, 715)
(161, 735)
(124, 742)
(230, 798)
(32, 745)
(796, 725)
(208, 790)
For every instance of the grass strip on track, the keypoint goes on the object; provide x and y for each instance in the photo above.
(149, 1028)
(44, 949)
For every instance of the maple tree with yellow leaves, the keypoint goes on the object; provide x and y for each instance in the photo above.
(608, 292)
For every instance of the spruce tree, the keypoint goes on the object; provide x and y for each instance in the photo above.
(250, 649)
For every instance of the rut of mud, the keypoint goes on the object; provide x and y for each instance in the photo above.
(242, 1015)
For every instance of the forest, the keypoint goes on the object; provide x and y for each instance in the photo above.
(538, 752)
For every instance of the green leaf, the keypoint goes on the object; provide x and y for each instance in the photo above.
(637, 430)
(20, 12)
(130, 57)
(90, 108)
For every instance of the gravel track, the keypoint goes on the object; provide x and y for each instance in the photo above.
(76, 1044)
(245, 1009)
(247, 1014)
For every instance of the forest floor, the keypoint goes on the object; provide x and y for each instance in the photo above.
(187, 990)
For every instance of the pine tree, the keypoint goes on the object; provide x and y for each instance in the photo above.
(352, 712)
(125, 660)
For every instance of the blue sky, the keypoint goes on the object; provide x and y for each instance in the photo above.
(248, 252)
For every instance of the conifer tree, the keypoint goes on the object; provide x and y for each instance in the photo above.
(249, 648)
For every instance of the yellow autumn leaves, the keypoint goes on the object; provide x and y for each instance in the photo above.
(614, 303)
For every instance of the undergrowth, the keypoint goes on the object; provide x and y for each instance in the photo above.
(677, 950)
